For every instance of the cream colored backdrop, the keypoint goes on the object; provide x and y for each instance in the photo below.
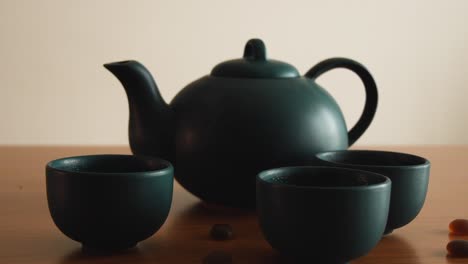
(54, 89)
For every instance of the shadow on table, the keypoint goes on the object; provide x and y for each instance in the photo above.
(184, 237)
(188, 231)
(205, 210)
(197, 220)
(405, 251)
(451, 259)
(393, 245)
(187, 240)
(133, 255)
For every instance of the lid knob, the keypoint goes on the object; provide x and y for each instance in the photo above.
(254, 64)
(255, 50)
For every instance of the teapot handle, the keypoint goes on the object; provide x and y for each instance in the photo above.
(369, 84)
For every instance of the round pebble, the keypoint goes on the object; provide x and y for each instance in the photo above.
(459, 227)
(458, 248)
(221, 232)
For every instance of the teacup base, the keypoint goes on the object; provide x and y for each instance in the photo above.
(106, 249)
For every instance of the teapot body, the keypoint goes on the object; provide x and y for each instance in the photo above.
(227, 130)
(248, 115)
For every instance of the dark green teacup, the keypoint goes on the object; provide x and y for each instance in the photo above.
(326, 215)
(409, 175)
(109, 202)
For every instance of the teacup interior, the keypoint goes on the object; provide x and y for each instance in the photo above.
(321, 177)
(109, 164)
(371, 158)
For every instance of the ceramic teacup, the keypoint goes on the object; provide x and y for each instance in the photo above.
(324, 214)
(409, 175)
(109, 202)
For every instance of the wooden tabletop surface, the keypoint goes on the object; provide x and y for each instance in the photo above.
(28, 235)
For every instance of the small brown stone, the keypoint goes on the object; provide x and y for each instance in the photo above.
(459, 227)
(458, 248)
(221, 232)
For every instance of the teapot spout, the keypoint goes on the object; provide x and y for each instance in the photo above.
(151, 119)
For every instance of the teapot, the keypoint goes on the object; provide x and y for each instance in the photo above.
(247, 115)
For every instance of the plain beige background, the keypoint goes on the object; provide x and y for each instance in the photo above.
(54, 89)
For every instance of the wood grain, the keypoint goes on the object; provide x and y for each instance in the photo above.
(28, 235)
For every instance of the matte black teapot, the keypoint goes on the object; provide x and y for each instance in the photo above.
(248, 115)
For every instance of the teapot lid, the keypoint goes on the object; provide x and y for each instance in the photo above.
(254, 64)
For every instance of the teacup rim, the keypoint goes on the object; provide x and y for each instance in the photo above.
(387, 181)
(363, 166)
(146, 173)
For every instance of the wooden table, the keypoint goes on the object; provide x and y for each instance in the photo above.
(28, 235)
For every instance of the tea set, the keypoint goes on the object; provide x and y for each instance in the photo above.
(254, 134)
